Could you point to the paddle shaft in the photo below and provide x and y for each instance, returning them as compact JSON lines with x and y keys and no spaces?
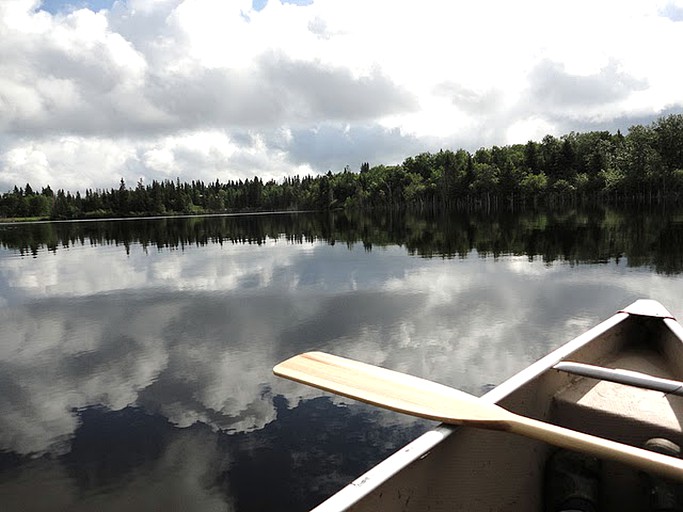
{"x":645,"y":460}
{"x":426,"y":399}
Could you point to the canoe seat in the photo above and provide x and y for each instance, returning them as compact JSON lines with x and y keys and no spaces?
{"x":621,"y":412}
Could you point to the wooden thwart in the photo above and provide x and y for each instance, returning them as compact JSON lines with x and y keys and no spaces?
{"x":426,"y":399}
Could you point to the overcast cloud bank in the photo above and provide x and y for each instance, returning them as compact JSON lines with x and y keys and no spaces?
{"x":202,"y":89}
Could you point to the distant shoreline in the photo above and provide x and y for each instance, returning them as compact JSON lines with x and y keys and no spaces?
{"x":46,"y":220}
{"x":643,"y":167}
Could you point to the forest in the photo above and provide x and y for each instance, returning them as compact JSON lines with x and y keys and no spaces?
{"x":645,"y":166}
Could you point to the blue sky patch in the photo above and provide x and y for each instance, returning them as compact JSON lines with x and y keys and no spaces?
{"x":257,"y":5}
{"x":297,"y":2}
{"x":61,"y":6}
{"x":673,"y":12}
{"x":57,"y":6}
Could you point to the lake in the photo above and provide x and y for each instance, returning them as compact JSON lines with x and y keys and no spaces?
{"x":136,"y":355}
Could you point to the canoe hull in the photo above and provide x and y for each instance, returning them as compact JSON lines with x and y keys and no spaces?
{"x":476,"y":470}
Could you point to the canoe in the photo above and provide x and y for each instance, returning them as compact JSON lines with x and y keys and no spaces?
{"x":618,"y":381}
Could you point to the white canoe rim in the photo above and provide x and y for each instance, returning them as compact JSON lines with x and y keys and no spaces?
{"x":458,"y":468}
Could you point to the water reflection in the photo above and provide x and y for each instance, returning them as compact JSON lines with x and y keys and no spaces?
{"x":646,"y":238}
{"x":141,"y":379}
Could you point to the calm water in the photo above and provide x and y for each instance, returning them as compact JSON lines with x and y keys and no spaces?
{"x":136,"y":356}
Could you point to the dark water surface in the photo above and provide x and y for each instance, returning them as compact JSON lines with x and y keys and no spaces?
{"x":136,"y":356}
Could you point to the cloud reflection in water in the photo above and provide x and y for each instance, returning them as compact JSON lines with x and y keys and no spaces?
{"x":184,"y":341}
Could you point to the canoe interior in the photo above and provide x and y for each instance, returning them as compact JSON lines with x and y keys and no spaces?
{"x":477,"y":470}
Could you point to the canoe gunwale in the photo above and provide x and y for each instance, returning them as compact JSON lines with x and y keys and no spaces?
{"x":421,"y":446}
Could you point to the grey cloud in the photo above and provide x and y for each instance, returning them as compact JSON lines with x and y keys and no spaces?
{"x":147,"y":28}
{"x":318,"y":26}
{"x":56,"y":85}
{"x":215,"y":97}
{"x":281,"y":91}
{"x":553,"y":87}
{"x":470,"y":101}
{"x":565,"y":101}
{"x":320,"y":92}
{"x":328,"y":146}
{"x":129,"y":82}
{"x":565,"y":124}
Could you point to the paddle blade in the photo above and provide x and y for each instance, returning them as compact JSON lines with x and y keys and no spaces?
{"x":392,"y":390}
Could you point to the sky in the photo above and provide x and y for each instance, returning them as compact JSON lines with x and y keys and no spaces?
{"x":95,"y":91}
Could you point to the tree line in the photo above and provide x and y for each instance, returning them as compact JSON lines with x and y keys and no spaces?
{"x":645,"y":166}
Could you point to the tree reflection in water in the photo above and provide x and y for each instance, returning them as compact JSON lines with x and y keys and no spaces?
{"x":136,"y":356}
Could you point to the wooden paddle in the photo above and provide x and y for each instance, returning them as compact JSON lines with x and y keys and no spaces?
{"x":423,"y":398}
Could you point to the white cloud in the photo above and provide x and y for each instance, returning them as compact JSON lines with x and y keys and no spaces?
{"x":218,"y":81}
{"x":531,"y":128}
{"x":185,"y":334}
